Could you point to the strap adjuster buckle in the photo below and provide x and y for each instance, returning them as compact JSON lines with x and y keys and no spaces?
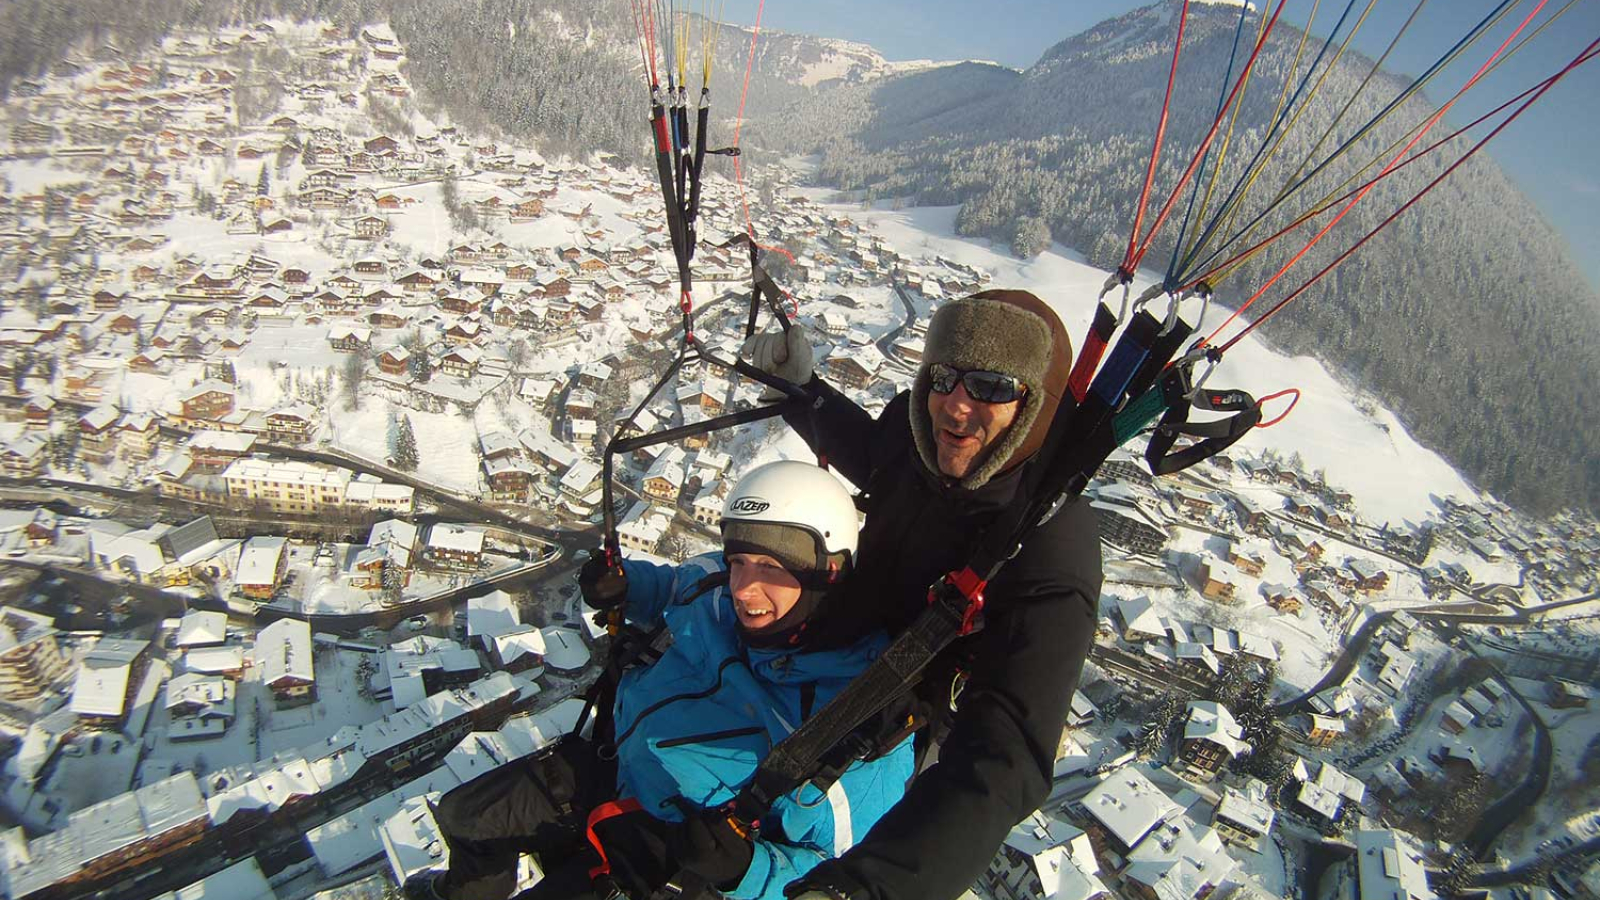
{"x":967,"y":583}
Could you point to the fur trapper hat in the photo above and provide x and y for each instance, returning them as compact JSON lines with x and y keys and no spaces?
{"x":1012,"y":332}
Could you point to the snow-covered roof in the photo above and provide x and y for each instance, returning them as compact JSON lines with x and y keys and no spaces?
{"x":100,"y":418}
{"x":1140,"y":616}
{"x":291,"y":472}
{"x":460,"y":538}
{"x":411,"y":838}
{"x":283,"y":652}
{"x":103,"y":829}
{"x":1211,"y":721}
{"x":518,"y":642}
{"x":135,"y":547}
{"x":222,"y":441}
{"x":213,"y":694}
{"x":395,"y":538}
{"x":379,"y":493}
{"x":580,"y":476}
{"x":214,"y":659}
{"x":645,"y":522}
{"x":258,"y":561}
{"x":1329,"y":790}
{"x":1253,"y":812}
{"x":199,"y":627}
{"x":564,"y":649}
{"x":101,"y":688}
{"x":1128,"y":804}
{"x":1180,"y":862}
{"x":492,"y":614}
{"x":493,"y":442}
{"x":1389,"y":864}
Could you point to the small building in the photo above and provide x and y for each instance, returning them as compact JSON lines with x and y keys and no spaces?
{"x":202,"y":629}
{"x":31,"y":661}
{"x":461,"y":362}
{"x":1326,"y":795}
{"x":1324,"y":730}
{"x":1211,"y":738}
{"x":207,"y":401}
{"x":395,"y":361}
{"x":107,"y":678}
{"x":455,"y":546}
{"x":283,"y":654}
{"x":350,"y":338}
{"x":1219,"y":580}
{"x":664,"y":479}
{"x":263,"y":561}
{"x":1244,"y":818}
{"x":371,"y":227}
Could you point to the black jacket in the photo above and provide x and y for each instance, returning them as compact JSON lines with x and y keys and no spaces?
{"x":995,"y":764}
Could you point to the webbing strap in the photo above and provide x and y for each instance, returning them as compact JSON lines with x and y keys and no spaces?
{"x":1094,"y":347}
{"x":600,"y":814}
{"x":793,"y":761}
{"x":1136,"y":415}
{"x":1213,"y":436}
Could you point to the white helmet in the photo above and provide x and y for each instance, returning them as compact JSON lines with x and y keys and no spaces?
{"x":795,"y":512}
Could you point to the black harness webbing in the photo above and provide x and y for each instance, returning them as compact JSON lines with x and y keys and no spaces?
{"x":1213,"y":437}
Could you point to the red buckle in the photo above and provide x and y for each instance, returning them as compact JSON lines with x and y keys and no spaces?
{"x":971,"y":587}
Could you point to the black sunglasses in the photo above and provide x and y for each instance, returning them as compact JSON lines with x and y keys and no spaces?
{"x":988,"y":387}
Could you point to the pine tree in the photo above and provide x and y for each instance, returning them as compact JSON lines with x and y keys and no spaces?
{"x":405,"y":447}
{"x":263,"y":182}
{"x":394,"y":580}
{"x":354,"y":369}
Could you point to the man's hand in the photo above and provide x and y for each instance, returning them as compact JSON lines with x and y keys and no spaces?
{"x":604,"y":587}
{"x":786,"y":354}
{"x":708,"y":845}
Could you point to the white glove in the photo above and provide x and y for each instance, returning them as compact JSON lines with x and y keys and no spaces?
{"x":786,"y":354}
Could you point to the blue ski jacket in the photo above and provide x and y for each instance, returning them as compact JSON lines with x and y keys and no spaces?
{"x":696,"y":723}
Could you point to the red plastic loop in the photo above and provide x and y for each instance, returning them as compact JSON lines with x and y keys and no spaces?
{"x":1283,"y":415}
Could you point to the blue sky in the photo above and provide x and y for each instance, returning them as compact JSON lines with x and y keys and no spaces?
{"x":1551,"y":150}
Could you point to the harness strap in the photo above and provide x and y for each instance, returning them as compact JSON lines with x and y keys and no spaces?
{"x":1213,"y":436}
{"x":1094,"y":346}
{"x":601,"y":813}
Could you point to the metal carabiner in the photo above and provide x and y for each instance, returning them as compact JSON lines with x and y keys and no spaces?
{"x":1150,"y":293}
{"x":1185,"y":366}
{"x":1123,"y":277}
{"x":1174,"y":303}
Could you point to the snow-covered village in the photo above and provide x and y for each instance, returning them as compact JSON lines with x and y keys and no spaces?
{"x":306,"y":395}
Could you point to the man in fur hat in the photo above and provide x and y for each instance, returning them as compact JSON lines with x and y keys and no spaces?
{"x":937,"y":466}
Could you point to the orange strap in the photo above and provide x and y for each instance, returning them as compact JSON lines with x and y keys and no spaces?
{"x":599,"y":814}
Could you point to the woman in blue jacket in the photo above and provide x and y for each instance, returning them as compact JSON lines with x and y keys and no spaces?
{"x":691,"y":727}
